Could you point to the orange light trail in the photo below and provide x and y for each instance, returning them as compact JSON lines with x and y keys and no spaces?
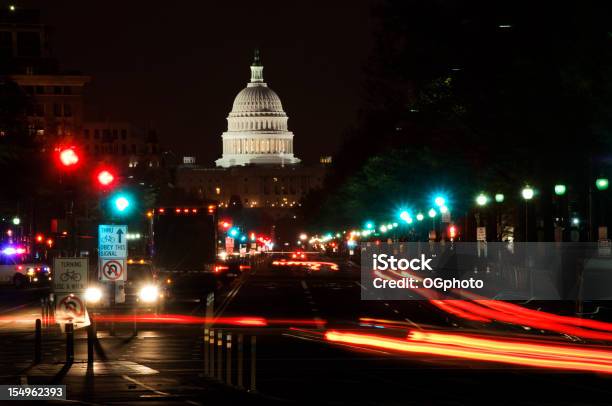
{"x":313,"y":265}
{"x":511,"y":346}
{"x":478,"y":354}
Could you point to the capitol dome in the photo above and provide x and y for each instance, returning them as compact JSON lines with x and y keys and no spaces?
{"x":257,"y":131}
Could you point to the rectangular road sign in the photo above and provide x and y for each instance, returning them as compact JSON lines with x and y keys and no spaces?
{"x":112,"y":270}
{"x":70,"y":275}
{"x":112,"y":241}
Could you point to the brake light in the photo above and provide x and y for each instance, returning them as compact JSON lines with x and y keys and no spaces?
{"x":245,"y":267}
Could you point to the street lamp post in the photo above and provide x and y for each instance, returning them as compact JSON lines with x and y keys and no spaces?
{"x":527,"y":194}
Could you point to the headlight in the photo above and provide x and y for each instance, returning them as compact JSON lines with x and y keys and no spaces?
{"x":149,"y":294}
{"x":93,"y":295}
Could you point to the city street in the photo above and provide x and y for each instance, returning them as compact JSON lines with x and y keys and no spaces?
{"x":164,"y":363}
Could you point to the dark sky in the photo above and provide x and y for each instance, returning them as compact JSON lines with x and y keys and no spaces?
{"x":177,"y":65}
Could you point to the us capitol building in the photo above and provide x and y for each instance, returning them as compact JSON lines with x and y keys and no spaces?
{"x":258,"y":165}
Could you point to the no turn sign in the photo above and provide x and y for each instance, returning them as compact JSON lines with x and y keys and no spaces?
{"x":112,"y":270}
{"x":70,"y":308}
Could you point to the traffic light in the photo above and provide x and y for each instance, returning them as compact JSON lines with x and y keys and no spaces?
{"x":452,"y":231}
{"x":105,"y":178}
{"x":121,"y":203}
{"x":68,"y":157}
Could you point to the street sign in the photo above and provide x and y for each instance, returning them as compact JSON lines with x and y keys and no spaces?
{"x":70,"y":308}
{"x":112,"y":270}
{"x":481,"y":234}
{"x":70,"y":275}
{"x":112,"y":241}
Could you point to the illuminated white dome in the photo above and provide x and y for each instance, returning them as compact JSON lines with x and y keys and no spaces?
{"x":257,"y":130}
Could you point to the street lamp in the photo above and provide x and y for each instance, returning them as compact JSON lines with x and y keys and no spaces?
{"x":443,"y":209}
{"x":602,"y":183}
{"x":432,"y":213}
{"x":420,"y":216}
{"x":482,"y":199}
{"x":560,"y":189}
{"x":439,"y":201}
{"x":16,"y":221}
{"x":499,"y":197}
{"x":527,"y":193}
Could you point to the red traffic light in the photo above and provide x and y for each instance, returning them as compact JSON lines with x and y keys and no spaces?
{"x":40,"y":238}
{"x":68,"y":157}
{"x":105,"y":177}
{"x":452,"y":231}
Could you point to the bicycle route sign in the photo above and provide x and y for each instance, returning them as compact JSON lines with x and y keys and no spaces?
{"x":112,"y":269}
{"x":70,"y":275}
{"x":112,"y":241}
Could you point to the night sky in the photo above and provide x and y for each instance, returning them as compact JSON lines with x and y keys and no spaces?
{"x":176,"y":66}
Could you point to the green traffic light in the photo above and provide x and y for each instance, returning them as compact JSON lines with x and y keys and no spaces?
{"x":121,"y":203}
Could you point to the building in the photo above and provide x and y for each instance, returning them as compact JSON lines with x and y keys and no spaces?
{"x":257,"y":130}
{"x":256,"y":186}
{"x":121,"y":143}
{"x":258,"y":167}
{"x":56,"y":108}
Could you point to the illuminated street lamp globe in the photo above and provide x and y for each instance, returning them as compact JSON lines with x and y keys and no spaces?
{"x":439,"y":201}
{"x":560,"y":189}
{"x":482,"y":199}
{"x":432,"y":213}
{"x":420,"y":216}
{"x":16,"y":221}
{"x":443,"y":209}
{"x":602,"y":183}
{"x":527,"y":193}
{"x":499,"y":197}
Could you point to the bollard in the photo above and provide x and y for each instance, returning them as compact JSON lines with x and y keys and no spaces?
{"x":38,"y":342}
{"x":228,"y":359}
{"x":211,"y":345}
{"x":205,"y":349}
{"x":69,"y":343}
{"x":220,"y":355}
{"x":240,"y":360}
{"x":91,"y":338}
{"x":253,"y":362}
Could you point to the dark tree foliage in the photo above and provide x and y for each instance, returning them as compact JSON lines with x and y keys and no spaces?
{"x":471,"y":95}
